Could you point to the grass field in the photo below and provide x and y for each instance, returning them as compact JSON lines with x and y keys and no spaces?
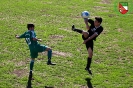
{"x":112,"y":63}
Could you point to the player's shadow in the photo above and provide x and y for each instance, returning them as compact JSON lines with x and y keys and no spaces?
{"x":29,"y":81}
{"x":89,"y":84}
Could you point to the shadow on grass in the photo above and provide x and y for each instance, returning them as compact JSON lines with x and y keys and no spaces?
{"x":89,"y":84}
{"x":29,"y":81}
{"x":48,"y":87}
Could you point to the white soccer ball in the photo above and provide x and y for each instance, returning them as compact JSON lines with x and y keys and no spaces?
{"x":85,"y":14}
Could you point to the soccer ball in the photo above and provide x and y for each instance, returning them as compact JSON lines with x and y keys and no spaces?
{"x":85,"y":14}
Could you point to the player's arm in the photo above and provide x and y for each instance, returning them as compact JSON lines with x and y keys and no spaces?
{"x":93,"y":36}
{"x":21,"y":36}
{"x":90,"y":38}
{"x":97,"y":32}
{"x":86,"y":20}
{"x":86,"y":23}
{"x":17,"y":36}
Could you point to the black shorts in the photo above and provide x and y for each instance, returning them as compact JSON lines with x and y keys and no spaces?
{"x":89,"y":44}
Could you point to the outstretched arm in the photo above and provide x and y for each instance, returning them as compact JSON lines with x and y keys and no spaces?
{"x":21,"y":36}
{"x":88,"y":20}
{"x":86,"y":23}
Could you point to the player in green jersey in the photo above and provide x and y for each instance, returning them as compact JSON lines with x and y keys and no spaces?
{"x":34,"y":46}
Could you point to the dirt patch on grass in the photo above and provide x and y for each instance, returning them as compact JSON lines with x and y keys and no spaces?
{"x":101,"y":8}
{"x":20,"y":72}
{"x":56,"y":37}
{"x":79,"y":49}
{"x":119,"y":30}
{"x":111,"y":15}
{"x":105,"y":1}
{"x":81,"y":86}
{"x":66,"y":29}
{"x":64,"y":54}
{"x":98,"y":7}
{"x":84,"y":87}
{"x":59,"y":53}
{"x":53,"y":39}
{"x":20,"y":63}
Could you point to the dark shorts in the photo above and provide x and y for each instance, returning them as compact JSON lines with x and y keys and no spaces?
{"x":35,"y":50}
{"x":89,"y":44}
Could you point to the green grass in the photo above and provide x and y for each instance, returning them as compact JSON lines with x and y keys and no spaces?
{"x":113,"y":51}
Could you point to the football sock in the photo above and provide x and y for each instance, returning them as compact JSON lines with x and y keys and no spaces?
{"x":88,"y":62}
{"x":31,"y":65}
{"x":78,"y":30}
{"x":49,"y":55}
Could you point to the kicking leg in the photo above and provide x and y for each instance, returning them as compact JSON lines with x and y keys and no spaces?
{"x":77,"y":30}
{"x":84,"y":33}
{"x":49,"y":56}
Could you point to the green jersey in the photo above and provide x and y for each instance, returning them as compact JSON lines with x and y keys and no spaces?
{"x":34,"y":46}
{"x":29,"y":35}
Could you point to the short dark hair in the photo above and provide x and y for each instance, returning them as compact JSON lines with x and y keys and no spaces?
{"x":99,"y":19}
{"x":30,"y":25}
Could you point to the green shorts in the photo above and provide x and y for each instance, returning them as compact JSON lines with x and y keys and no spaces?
{"x":36,"y":49}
